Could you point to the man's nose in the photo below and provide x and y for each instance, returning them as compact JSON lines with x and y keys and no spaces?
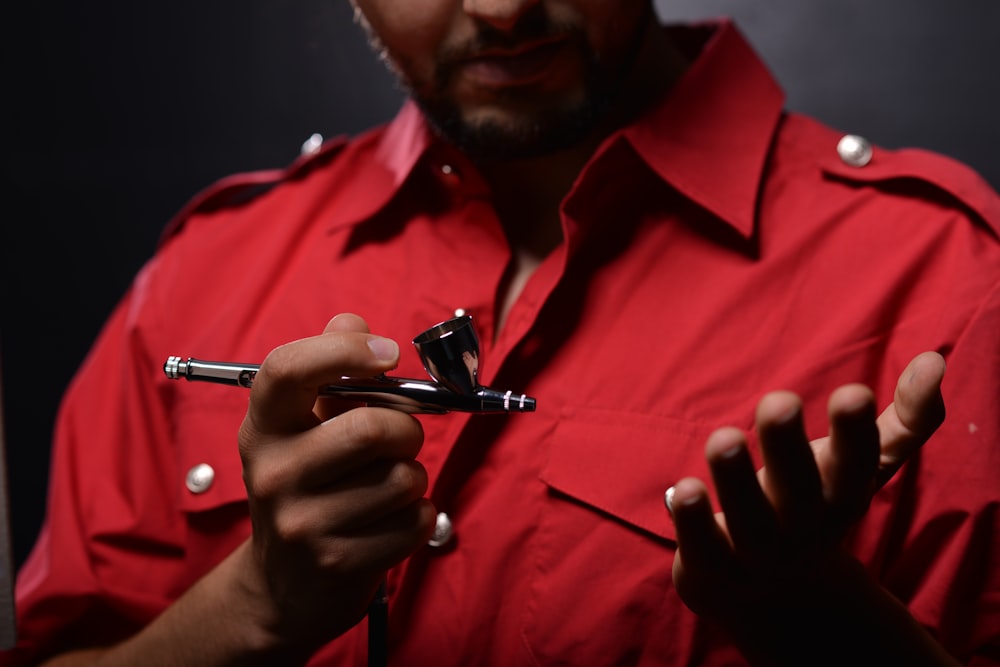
{"x":501,"y":14}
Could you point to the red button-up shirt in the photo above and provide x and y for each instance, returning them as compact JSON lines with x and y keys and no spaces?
{"x":716,"y":249}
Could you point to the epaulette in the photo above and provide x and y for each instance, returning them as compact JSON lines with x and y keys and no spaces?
{"x":856,"y":160}
{"x":238,"y":189}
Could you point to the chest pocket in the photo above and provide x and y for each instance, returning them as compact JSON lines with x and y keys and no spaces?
{"x":604,"y":542}
{"x":208,"y":464}
{"x":208,"y":478}
{"x":622,"y":463}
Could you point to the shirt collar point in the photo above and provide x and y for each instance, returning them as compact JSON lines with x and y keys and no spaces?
{"x":711,"y":149}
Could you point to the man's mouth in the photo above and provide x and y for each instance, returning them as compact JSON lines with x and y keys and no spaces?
{"x":508,"y":67}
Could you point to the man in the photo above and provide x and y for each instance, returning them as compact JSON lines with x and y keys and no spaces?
{"x":648,"y":244}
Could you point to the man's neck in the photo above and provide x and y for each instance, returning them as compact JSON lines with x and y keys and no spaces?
{"x":528,"y":193}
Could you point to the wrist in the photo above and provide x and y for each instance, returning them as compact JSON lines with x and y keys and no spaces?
{"x":256,"y":619}
{"x":843,"y":601}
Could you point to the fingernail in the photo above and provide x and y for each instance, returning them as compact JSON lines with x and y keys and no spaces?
{"x":668,"y":500}
{"x":384,"y":349}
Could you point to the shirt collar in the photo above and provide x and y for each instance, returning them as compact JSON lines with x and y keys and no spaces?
{"x":708,"y":137}
{"x":397,"y":150}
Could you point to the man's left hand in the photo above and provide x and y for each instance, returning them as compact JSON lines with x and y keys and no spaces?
{"x":770,"y":567}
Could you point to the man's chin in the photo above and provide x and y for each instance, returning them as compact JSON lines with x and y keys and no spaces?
{"x":505,"y":138}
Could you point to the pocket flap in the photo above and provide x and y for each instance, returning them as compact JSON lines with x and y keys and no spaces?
{"x":622,"y":463}
{"x":206,"y":435}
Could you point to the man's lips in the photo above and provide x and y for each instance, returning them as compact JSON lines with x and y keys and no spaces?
{"x":500,"y":68}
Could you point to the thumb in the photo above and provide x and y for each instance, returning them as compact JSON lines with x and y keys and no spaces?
{"x":916,"y":412}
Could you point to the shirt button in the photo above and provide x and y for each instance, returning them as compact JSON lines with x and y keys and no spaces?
{"x":312,"y":144}
{"x":451,"y":175}
{"x":855,"y":151}
{"x":199,"y":478}
{"x":443,"y":531}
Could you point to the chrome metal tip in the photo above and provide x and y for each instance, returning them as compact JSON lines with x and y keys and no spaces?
{"x":172,"y":367}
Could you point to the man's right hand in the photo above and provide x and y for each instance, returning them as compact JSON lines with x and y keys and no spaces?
{"x":336,"y":497}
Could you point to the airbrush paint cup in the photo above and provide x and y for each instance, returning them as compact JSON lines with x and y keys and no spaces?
{"x":450,"y":353}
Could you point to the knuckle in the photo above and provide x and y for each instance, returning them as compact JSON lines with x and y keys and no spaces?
{"x":293,"y":528}
{"x":408,"y":478}
{"x":247,"y":438}
{"x":278,"y":364}
{"x":367,"y":427}
{"x":264,"y":483}
{"x":337,"y":558}
{"x":426,"y":519}
{"x":378,"y":428}
{"x":423,"y":520}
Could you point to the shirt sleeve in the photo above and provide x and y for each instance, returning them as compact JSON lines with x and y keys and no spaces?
{"x":109,"y":530}
{"x":933,"y":533}
{"x":962,"y":466}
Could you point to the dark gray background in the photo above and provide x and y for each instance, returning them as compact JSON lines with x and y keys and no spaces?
{"x":117,"y":112}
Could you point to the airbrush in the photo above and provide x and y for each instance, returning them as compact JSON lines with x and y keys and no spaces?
{"x":449,"y":352}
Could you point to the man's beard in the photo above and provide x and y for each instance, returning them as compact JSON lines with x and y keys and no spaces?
{"x":537,"y":131}
{"x":549,"y":127}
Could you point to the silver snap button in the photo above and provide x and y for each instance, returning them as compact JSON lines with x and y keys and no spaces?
{"x":855,"y":151}
{"x":443,"y":531}
{"x":460,"y":312}
{"x":312,"y":144}
{"x":450,"y":175}
{"x":199,"y":478}
{"x":668,"y":499}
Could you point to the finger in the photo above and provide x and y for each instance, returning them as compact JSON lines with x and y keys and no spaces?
{"x":849,"y":461}
{"x":347,"y":322}
{"x":705,"y":547}
{"x":384,"y":543}
{"x":353,"y":503}
{"x":378,"y":491}
{"x":333,"y":450}
{"x":916,"y":412}
{"x":328,"y":407}
{"x":286,"y":386}
{"x":750,"y":519}
{"x":790,"y":478}
{"x":341,"y":446}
